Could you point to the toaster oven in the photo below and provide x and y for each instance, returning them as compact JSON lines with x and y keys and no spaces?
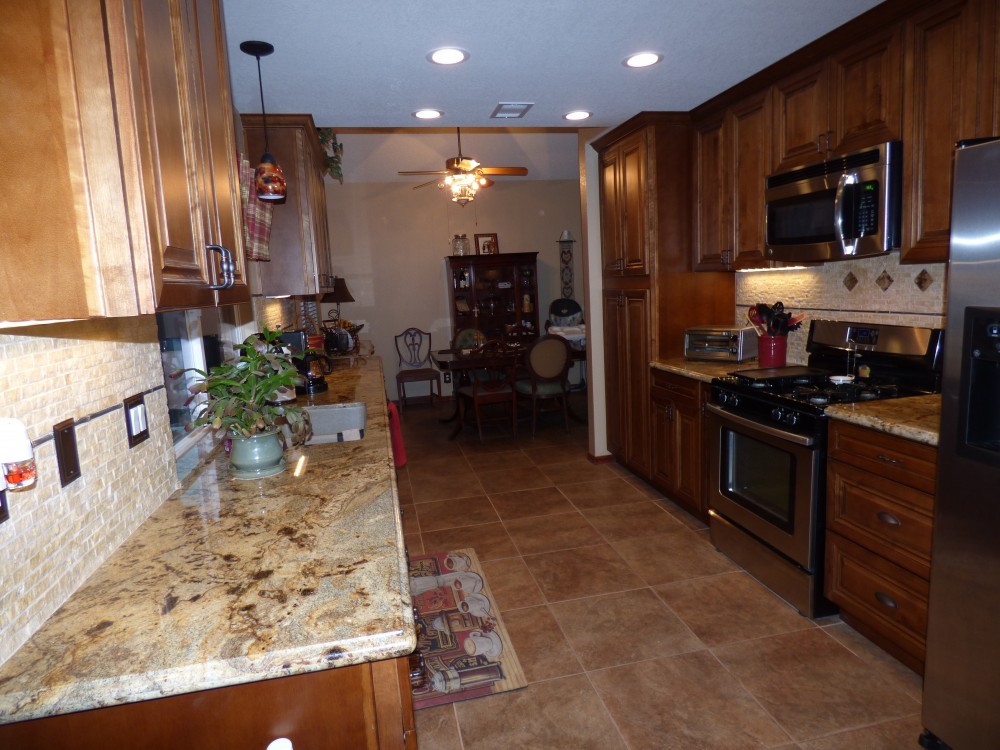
{"x":731,"y":344}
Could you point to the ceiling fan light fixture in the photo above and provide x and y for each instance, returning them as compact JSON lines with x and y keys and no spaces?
{"x":447,"y":56}
{"x":428,"y":114}
{"x":642,"y":59}
{"x":577,"y":114}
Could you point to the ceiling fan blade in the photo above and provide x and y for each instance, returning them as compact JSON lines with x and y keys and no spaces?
{"x":504,"y":170}
{"x":425,"y":184}
{"x":426,"y":171}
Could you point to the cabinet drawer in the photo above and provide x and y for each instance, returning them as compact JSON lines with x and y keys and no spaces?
{"x":891,"y":519}
{"x":891,"y":601}
{"x":901,"y":460}
{"x":669,"y":386}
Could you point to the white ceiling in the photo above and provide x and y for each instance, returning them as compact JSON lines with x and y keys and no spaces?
{"x":362,"y":63}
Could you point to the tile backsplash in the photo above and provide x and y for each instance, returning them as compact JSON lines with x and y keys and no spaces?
{"x":57,"y":536}
{"x":866,"y":290}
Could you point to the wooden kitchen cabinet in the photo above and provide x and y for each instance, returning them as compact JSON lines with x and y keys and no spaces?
{"x":802,"y":116}
{"x":361,"y":707}
{"x":627,"y":316}
{"x":677,"y":449}
{"x":124,"y":142}
{"x":733,"y":156}
{"x":300,"y":241}
{"x":880,"y":514}
{"x":625,"y":237}
{"x":495,"y":294}
{"x":940,"y":108}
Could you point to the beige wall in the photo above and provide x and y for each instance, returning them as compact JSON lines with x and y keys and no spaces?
{"x":849,"y":290}
{"x":389,"y":242}
{"x":56,"y":537}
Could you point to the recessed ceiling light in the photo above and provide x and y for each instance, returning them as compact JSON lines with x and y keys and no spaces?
{"x":642,"y":60}
{"x":577,"y":114}
{"x":448,"y":56}
{"x":428,"y":114}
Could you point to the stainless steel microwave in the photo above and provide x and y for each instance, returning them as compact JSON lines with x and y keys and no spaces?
{"x":841,"y":208}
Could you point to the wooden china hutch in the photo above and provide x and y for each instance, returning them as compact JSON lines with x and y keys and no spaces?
{"x":496,"y":294}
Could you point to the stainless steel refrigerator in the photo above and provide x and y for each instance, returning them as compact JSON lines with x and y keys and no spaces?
{"x":961,"y":705}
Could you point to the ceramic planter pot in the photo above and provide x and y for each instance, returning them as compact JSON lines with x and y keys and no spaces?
{"x":260,"y":455}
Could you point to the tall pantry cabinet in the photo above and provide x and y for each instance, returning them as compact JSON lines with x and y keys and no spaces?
{"x":650,"y":293}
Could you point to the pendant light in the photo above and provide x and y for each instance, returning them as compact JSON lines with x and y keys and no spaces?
{"x":269,"y":180}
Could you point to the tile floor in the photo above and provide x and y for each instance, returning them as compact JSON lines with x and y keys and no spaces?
{"x":633,"y":631}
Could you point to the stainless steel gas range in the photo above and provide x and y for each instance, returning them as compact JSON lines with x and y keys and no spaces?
{"x":768,"y":429}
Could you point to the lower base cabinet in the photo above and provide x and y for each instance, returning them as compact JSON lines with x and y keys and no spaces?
{"x":677,"y":448}
{"x":360,"y":707}
{"x":880,"y":515}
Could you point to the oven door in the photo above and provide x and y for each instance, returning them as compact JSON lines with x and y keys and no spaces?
{"x":766,"y":481}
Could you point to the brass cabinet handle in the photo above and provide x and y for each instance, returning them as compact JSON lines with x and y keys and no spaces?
{"x":888,"y":519}
{"x":886,"y":600}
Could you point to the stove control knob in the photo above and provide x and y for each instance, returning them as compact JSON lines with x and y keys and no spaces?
{"x":777,"y":414}
{"x":791,"y":418}
{"x":734,"y":400}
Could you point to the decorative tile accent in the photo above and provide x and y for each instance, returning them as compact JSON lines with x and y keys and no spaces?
{"x":923,"y":280}
{"x":850,"y":281}
{"x":884,"y":281}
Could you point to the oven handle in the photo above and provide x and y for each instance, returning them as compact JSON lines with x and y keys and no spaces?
{"x":764,"y":428}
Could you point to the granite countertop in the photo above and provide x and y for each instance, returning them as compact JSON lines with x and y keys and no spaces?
{"x":913,"y":417}
{"x":232,"y":581}
{"x":703,"y":371}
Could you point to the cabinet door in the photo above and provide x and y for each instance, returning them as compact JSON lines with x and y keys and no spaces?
{"x":749,"y":132}
{"x":940,"y":104}
{"x":64,"y":227}
{"x":636,"y":314}
{"x":611,"y":214}
{"x":616,"y":399}
{"x":664,"y":456}
{"x":801,"y":117}
{"x":163,"y":45}
{"x":866,"y":92}
{"x":687,"y":431}
{"x":713,"y":224}
{"x":632,"y":202}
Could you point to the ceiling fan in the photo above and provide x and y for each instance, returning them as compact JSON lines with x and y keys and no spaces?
{"x":464,"y":177}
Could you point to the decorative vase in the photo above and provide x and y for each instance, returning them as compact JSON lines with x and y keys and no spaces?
{"x":772,"y":351}
{"x":260,"y":455}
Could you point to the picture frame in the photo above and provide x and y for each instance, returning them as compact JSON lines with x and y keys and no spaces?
{"x":487,"y":244}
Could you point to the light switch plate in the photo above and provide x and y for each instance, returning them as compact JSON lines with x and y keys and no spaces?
{"x":66,"y":452}
{"x":136,"y":420}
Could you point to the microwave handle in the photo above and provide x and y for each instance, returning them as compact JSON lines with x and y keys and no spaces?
{"x":838,"y":212}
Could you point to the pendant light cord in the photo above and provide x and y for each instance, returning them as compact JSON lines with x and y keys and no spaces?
{"x":260,"y":83}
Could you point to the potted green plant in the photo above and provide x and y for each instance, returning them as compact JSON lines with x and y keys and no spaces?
{"x":247,"y":403}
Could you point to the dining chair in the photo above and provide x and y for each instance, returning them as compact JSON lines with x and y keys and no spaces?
{"x":493,"y":384}
{"x":414,"y":349}
{"x":547,"y":362}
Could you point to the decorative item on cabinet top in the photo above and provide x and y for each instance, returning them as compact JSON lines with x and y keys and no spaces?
{"x":334,"y":153}
{"x":487,"y":244}
{"x":270,"y":179}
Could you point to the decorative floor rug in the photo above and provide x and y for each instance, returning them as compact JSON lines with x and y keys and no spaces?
{"x":467,"y":652}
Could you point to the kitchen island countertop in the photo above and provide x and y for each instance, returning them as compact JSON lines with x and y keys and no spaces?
{"x":232,"y":581}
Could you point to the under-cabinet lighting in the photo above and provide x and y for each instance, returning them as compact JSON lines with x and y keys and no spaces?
{"x":771,"y":270}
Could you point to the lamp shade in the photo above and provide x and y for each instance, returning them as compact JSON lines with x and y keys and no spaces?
{"x":339,"y":294}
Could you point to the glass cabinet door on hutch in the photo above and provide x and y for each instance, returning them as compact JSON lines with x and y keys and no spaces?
{"x":496,"y":294}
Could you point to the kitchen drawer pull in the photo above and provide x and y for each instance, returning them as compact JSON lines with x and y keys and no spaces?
{"x":885,"y":600}
{"x":888,"y":519}
{"x":887,"y":459}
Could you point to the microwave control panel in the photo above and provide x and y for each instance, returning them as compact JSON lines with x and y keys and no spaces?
{"x":866,"y":213}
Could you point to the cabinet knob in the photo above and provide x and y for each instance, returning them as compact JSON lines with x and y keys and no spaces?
{"x":885,"y":600}
{"x":888,"y":518}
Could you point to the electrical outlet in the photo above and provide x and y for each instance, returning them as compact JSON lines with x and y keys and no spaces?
{"x":66,"y":452}
{"x":447,"y":377}
{"x":4,"y":515}
{"x":136,"y":420}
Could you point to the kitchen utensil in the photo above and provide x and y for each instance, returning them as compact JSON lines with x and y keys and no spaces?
{"x":754,"y":319}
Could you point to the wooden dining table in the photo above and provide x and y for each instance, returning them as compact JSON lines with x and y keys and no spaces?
{"x":462,"y":362}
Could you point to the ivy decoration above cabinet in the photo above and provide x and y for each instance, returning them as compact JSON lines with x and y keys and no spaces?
{"x":334,"y":153}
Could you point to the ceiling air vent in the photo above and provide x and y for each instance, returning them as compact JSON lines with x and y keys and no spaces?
{"x":511,"y":110}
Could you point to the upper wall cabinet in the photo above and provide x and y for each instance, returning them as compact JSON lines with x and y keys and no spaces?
{"x":625,"y":232}
{"x":300,"y":241}
{"x":732,"y":158}
{"x":844,"y":103}
{"x":124,"y":143}
{"x":942,"y":55}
